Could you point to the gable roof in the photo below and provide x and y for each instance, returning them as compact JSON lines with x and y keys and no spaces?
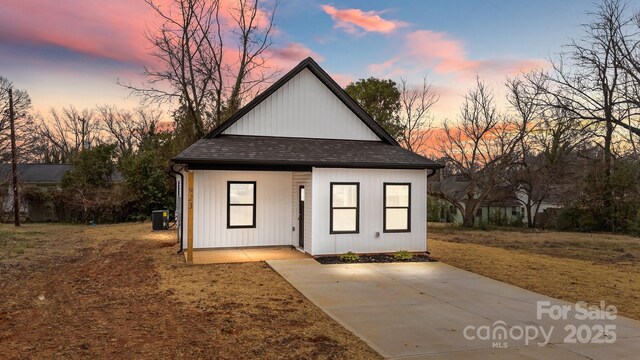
{"x":36,"y":173}
{"x":43,"y":174}
{"x":316,"y":70}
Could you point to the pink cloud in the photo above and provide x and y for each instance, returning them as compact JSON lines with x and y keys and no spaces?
{"x":445,"y":54}
{"x":113,"y":30}
{"x":342,"y":79}
{"x":291,"y":54}
{"x":351,"y":20}
{"x":389,"y":68}
{"x":445,"y":60}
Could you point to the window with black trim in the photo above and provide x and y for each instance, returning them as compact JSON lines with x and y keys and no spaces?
{"x":345,"y":208}
{"x":241,"y":204}
{"x":397,"y":207}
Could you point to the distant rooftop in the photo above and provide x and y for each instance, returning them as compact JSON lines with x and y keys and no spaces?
{"x":42,"y":174}
{"x":36,"y":173}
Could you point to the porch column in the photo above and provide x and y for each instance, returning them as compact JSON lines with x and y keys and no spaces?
{"x":190,"y":216}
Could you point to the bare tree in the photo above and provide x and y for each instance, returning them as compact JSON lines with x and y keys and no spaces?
{"x":194,"y":66}
{"x":415,"y":114}
{"x":482,"y":147}
{"x":127,"y":129}
{"x":524,"y":97}
{"x":628,"y":61}
{"x":588,"y":86}
{"x":120,"y":127}
{"x":23,"y":121}
{"x":68,"y":132}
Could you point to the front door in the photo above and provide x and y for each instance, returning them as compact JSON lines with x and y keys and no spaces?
{"x":301,"y":216}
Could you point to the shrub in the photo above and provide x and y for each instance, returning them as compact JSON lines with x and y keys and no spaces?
{"x":518,"y":222}
{"x":146,"y":183}
{"x":497,"y":218}
{"x":568,"y":219}
{"x":402,"y":255}
{"x":485,"y":226}
{"x":349,"y":257}
{"x":35,"y":194}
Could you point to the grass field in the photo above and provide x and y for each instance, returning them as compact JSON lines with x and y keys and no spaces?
{"x":569,"y":266}
{"x":120,"y":291}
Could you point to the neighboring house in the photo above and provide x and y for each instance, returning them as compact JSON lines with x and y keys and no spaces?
{"x":35,"y":181}
{"x":503,"y":208}
{"x":35,"y":178}
{"x":551,"y":201}
{"x":303,"y":165}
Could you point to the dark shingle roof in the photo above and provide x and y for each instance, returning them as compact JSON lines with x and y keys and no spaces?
{"x":44,"y":174}
{"x":36,"y":173}
{"x":234,"y":151}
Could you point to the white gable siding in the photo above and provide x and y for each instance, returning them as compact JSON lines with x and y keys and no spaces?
{"x":371,"y":212}
{"x":303,"y":107}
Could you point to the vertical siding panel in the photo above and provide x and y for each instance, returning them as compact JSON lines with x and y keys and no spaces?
{"x":371,"y":212}
{"x":273,"y":209}
{"x":308,"y":224}
{"x":298,"y":101}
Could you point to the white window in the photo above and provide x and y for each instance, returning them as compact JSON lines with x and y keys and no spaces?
{"x":345,"y":211}
{"x":397,"y":207}
{"x":241,"y":204}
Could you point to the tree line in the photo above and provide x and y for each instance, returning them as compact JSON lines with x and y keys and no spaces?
{"x":208,"y":58}
{"x":569,"y":132}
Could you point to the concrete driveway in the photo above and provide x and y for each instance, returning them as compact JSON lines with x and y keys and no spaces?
{"x":437,"y":311}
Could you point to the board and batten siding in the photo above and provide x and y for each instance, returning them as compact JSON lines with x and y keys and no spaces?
{"x":273,"y":209}
{"x":304,"y":179}
{"x":371,"y":212}
{"x":303,"y":107}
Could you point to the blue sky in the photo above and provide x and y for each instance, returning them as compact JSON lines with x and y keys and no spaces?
{"x":489,"y":28}
{"x":67,"y":52}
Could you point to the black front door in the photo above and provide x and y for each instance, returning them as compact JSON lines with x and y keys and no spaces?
{"x":301,"y":217}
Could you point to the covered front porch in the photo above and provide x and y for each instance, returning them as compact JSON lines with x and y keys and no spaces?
{"x":249,"y":254}
{"x":245,"y":211}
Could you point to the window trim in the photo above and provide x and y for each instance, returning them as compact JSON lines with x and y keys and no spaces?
{"x":385,"y":207}
{"x":331,"y":208}
{"x":229,"y":205}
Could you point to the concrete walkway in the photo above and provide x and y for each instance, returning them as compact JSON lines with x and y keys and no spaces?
{"x":421,"y":310}
{"x":223,"y":256}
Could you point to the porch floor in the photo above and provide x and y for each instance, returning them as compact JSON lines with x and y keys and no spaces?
{"x":221,"y":256}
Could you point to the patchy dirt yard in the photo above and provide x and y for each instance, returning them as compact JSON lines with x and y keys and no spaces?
{"x":569,"y":266}
{"x":119,"y":291}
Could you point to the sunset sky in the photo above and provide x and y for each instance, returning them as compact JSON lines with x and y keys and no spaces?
{"x":73,"y":51}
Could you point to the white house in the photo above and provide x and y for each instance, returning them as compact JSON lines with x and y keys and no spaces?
{"x":302,"y":165}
